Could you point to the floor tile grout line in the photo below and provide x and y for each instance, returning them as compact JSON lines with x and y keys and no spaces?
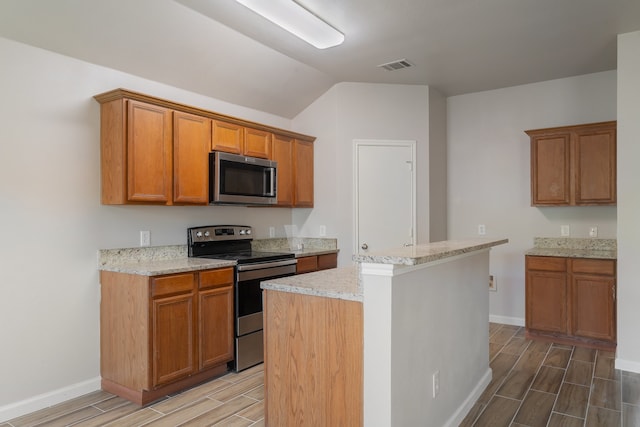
{"x":562,"y":382}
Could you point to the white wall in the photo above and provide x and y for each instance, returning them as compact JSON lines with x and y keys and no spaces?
{"x":437,"y":166}
{"x":351,"y":111}
{"x":628,"y":355}
{"x":52,"y":223}
{"x":489,"y":172}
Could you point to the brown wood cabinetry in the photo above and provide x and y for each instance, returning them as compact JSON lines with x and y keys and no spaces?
{"x":312,"y":263}
{"x":303,"y":174}
{"x":282,"y":153}
{"x":574,"y":165}
{"x":155,"y":151}
{"x":323,"y":384}
{"x":295,"y":171}
{"x":161,"y":334}
{"x":571,"y":300}
{"x":191,"y":141}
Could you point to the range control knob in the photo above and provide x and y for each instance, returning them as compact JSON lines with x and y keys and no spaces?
{"x":198,"y":233}
{"x":242,"y":232}
{"x":207,"y":234}
{"x":249,"y":231}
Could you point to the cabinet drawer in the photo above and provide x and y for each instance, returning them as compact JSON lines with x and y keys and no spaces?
{"x":594,"y":266}
{"x":307,"y":264}
{"x":212,"y":278}
{"x":545,"y":263}
{"x":327,"y":261}
{"x":174,"y":284}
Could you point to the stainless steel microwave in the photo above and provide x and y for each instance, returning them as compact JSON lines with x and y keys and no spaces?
{"x":241,"y":180}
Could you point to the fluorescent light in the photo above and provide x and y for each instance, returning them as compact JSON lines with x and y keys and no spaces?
{"x":297,"y":20}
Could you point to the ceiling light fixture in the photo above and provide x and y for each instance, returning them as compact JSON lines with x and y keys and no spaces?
{"x":297,"y":20}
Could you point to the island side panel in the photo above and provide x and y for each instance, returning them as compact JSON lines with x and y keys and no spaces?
{"x":313,"y":360}
{"x":420,"y":320}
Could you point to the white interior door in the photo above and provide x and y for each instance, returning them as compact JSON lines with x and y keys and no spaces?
{"x":384,"y":194}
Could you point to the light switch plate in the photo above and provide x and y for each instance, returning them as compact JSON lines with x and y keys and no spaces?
{"x":565,"y":231}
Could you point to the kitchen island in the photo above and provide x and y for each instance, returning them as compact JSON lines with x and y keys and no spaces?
{"x":400,"y":339}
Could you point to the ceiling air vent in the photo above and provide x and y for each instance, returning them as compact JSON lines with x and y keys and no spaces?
{"x":396,"y":65}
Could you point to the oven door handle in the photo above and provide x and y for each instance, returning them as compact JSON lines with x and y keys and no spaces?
{"x":263,"y":265}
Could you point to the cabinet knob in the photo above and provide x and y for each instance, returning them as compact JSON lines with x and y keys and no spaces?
{"x":365,"y":246}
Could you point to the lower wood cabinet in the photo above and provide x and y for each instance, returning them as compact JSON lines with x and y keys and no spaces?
{"x":572,"y":300}
{"x":309,"y":264}
{"x":164,"y":333}
{"x":322,"y":384}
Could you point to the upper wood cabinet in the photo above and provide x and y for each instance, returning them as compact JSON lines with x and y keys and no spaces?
{"x":295,"y":171}
{"x":236,"y":139}
{"x":143,"y":138}
{"x":191,"y":141}
{"x":303,"y":173}
{"x":574,"y":165}
{"x":227,"y":137}
{"x":155,"y":151}
{"x":282,"y":153}
{"x":257,"y":143}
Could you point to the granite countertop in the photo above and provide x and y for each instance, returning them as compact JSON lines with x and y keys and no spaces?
{"x":169,"y":266}
{"x":420,"y":254}
{"x":157,"y":260}
{"x":338,"y":283}
{"x":568,"y":247}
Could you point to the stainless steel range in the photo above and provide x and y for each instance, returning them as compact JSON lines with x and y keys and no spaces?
{"x":233,"y":242}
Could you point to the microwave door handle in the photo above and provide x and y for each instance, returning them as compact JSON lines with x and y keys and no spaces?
{"x":272,"y":182}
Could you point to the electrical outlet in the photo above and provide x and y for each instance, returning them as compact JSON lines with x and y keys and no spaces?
{"x":272,"y":232}
{"x":593,"y":232}
{"x":493,"y":283}
{"x":565,"y":231}
{"x":145,"y":238}
{"x":323,"y":230}
{"x":482,"y":230}
{"x":436,"y":383}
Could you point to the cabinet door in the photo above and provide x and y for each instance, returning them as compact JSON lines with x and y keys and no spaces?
{"x":550,"y":170}
{"x":227,"y":137}
{"x":257,"y":143}
{"x":216,"y":326}
{"x":191,"y":143}
{"x":327,"y":261}
{"x":303,"y":173}
{"x":148,"y":153}
{"x":307,"y":264}
{"x":546,"y":301}
{"x":595,"y":166}
{"x":173,"y":338}
{"x":593,"y":307}
{"x":282,"y":152}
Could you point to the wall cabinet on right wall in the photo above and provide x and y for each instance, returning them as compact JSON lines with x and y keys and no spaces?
{"x":574,"y":165}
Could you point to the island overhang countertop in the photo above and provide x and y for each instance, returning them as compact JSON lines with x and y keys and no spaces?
{"x":344,"y":283}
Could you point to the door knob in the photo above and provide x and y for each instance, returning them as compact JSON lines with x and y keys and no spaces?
{"x":365,"y":246}
{"x":407,"y":244}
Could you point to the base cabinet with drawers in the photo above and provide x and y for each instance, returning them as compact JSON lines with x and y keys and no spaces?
{"x":312,"y":263}
{"x":571,"y":300}
{"x":161,"y":334}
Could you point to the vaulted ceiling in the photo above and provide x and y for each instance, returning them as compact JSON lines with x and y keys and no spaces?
{"x":221,"y":49}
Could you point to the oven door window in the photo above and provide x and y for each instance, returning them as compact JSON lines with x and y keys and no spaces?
{"x":249,"y":297}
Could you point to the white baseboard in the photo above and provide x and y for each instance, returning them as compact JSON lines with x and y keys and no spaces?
{"x":515,"y":321}
{"x":628,"y":365}
{"x":468,"y":403}
{"x":45,"y":400}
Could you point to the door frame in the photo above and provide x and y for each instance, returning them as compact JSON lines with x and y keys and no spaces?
{"x":357,"y":143}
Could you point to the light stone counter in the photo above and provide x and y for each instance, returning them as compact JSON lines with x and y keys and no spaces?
{"x":429,"y":252}
{"x":338,"y":283}
{"x":568,"y":247}
{"x":300,"y":246}
{"x":155,"y":261}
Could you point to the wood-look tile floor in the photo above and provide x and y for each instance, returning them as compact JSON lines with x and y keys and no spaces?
{"x":534,"y":384}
